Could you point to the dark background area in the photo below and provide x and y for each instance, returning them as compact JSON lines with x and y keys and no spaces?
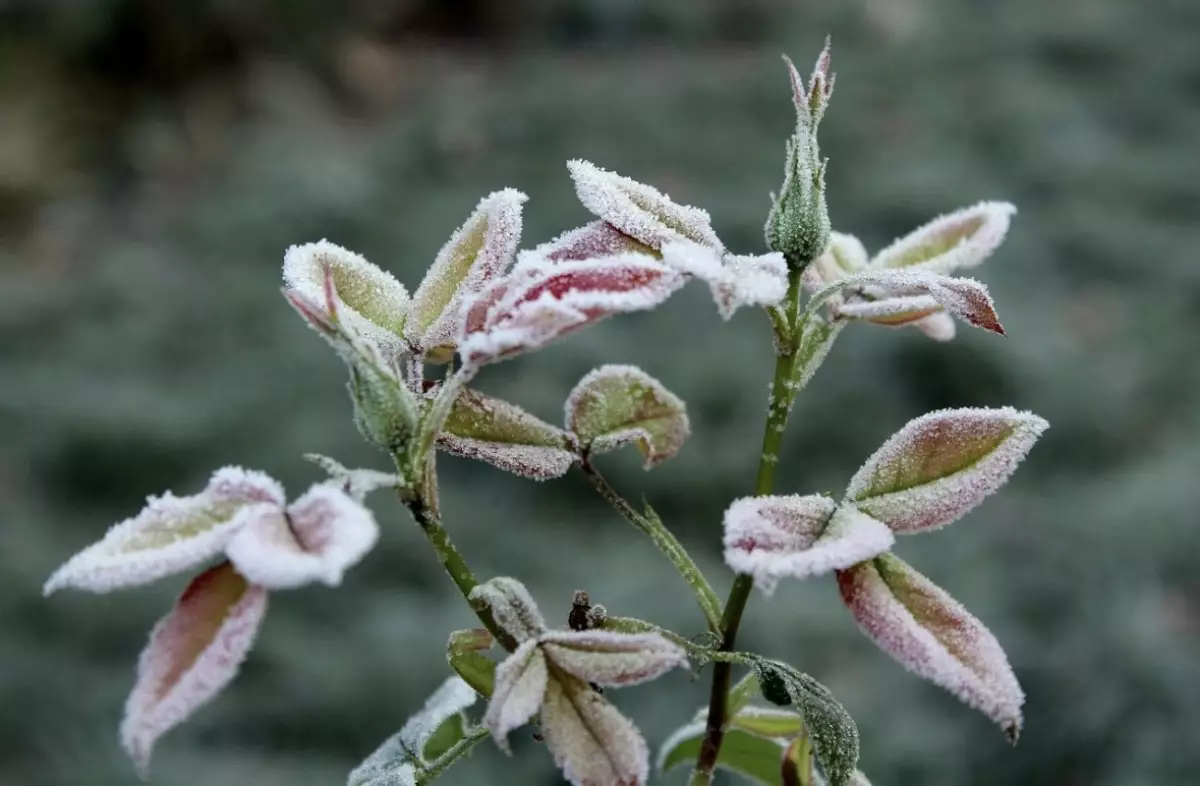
{"x":156,"y":159}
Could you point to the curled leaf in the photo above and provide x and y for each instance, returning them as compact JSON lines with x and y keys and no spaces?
{"x":844,"y":256}
{"x":903,"y":297}
{"x":521,"y":682}
{"x":933,"y":636}
{"x":505,"y":436}
{"x":592,"y":743}
{"x":317,"y":538}
{"x":171,"y":534}
{"x":192,"y":654}
{"x":462,"y":653}
{"x":941,"y":465}
{"x":735,"y":281}
{"x":638,"y":210}
{"x":511,"y":605}
{"x":964,"y":238}
{"x":476,"y":254}
{"x":614,"y":659}
{"x":591,"y":241}
{"x":616,"y":405}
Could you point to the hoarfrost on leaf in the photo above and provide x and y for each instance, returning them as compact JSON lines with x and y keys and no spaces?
{"x":357,"y":483}
{"x":592,"y":743}
{"x":521,"y":682}
{"x":511,"y":605}
{"x":638,"y":210}
{"x":192,"y":654}
{"x":735,"y":281}
{"x":612,"y":659}
{"x":962,"y":239}
{"x":941,"y":465}
{"x":900,"y":297}
{"x":932,"y":635}
{"x":798,"y":536}
{"x":504,"y":435}
{"x":615,"y":405}
{"x":590,"y":241}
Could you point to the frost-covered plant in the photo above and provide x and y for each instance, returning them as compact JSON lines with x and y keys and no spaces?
{"x":483,"y":301}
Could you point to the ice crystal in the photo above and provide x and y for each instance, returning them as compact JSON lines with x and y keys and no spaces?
{"x":735,"y":281}
{"x":962,"y":239}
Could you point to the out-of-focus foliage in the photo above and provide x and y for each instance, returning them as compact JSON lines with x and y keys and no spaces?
{"x":156,"y":159}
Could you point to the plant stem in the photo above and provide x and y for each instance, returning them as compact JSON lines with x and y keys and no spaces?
{"x":782,"y":396}
{"x":666,"y":542}
{"x":697,"y":651}
{"x":456,"y":752}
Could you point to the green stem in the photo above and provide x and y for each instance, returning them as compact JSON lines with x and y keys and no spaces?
{"x":666,"y":542}
{"x":697,"y":651}
{"x":782,"y":396}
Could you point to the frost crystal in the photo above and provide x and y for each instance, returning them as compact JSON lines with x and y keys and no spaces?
{"x":773,"y":537}
{"x":592,"y":743}
{"x":941,"y":465}
{"x":476,"y":254}
{"x":171,"y":534}
{"x":521,"y":682}
{"x":192,"y":654}
{"x":512,"y":605}
{"x":536,"y":306}
{"x":506,"y":436}
{"x":616,"y":405}
{"x":964,"y":238}
{"x":591,"y":241}
{"x":931,"y":635}
{"x":375,"y":304}
{"x":900,"y":297}
{"x":638,"y":210}
{"x":612,"y":659}
{"x":317,"y":538}
{"x":735,"y":281}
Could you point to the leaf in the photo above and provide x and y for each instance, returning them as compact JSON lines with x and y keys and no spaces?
{"x":735,"y":281}
{"x":323,"y":533}
{"x":964,"y":298}
{"x":425,"y":735}
{"x":171,"y":534}
{"x":540,"y":304}
{"x":505,"y":436}
{"x":476,"y":254}
{"x":617,"y":405}
{"x":521,"y":681}
{"x":591,"y":241}
{"x":742,"y":753}
{"x":768,"y":722}
{"x":592,"y":743}
{"x":638,"y":210}
{"x":844,"y":256}
{"x":192,"y":654}
{"x":374,"y":303}
{"x":462,"y":653}
{"x":741,"y":693}
{"x":941,"y":465}
{"x":356,"y":483}
{"x":964,"y":238}
{"x":512,"y":606}
{"x":815,"y":343}
{"x":797,"y":767}
{"x":833,"y":732}
{"x":612,"y":659}
{"x":933,"y":636}
{"x":776,"y":536}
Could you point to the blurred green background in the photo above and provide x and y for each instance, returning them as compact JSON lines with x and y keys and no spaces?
{"x":156,"y":159}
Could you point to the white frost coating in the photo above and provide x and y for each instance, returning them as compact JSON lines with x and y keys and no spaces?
{"x":536,"y":462}
{"x":943,"y":464}
{"x":898,"y":310}
{"x":844,"y":256}
{"x":512,"y":606}
{"x":615,"y":405}
{"x":798,"y":536}
{"x":590,"y":241}
{"x":521,"y":682}
{"x":592,"y":743}
{"x":192,"y":654}
{"x":612,"y":659}
{"x":933,"y":636}
{"x":735,"y":280}
{"x":962,"y":239}
{"x":374,"y":304}
{"x":638,"y":210}
{"x":477,"y":253}
{"x":965,"y":298}
{"x":536,"y":306}
{"x":939,"y":326}
{"x":322,"y":534}
{"x":357,"y":483}
{"x":390,"y":764}
{"x":171,"y":534}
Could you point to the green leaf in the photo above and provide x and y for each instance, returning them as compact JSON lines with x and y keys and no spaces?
{"x":741,"y":694}
{"x":614,"y":406}
{"x":505,"y":436}
{"x":834,"y":734}
{"x":445,"y":737}
{"x":797,"y":768}
{"x":769,"y":722}
{"x":743,"y":753}
{"x":462,"y":652}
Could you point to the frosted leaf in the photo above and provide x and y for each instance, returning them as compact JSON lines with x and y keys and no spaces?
{"x":171,"y":534}
{"x":844,"y":256}
{"x":356,"y":483}
{"x":931,"y":635}
{"x":323,"y":533}
{"x":745,"y":754}
{"x":506,"y":436}
{"x":394,"y":760}
{"x":768,"y":722}
{"x":964,"y":238}
{"x":638,"y":210}
{"x":616,"y":405}
{"x":941,"y":465}
{"x":592,"y":743}
{"x":815,"y":343}
{"x":964,"y":298}
{"x":612,"y":659}
{"x":374,"y":303}
{"x":511,"y":605}
{"x":533,"y":308}
{"x":939,"y":326}
{"x":521,"y":682}
{"x":591,"y":241}
{"x":894,"y":311}
{"x":773,"y":537}
{"x":192,"y":654}
{"x":735,"y":280}
{"x":476,"y":254}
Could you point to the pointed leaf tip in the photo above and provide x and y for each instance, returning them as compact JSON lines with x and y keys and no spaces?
{"x":192,"y":654}
{"x":615,"y":405}
{"x":932,"y":635}
{"x":943,"y":464}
